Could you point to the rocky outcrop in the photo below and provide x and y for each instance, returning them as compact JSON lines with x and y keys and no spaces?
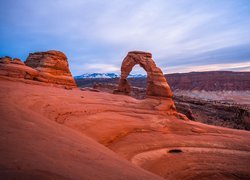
{"x":52,"y":66}
{"x":156,"y":82}
{"x":49,"y":67}
{"x":218,"y":113}
{"x":136,"y":92}
{"x":16,"y":69}
{"x":5,"y":59}
{"x":17,"y":61}
{"x":210,"y":81}
{"x":184,"y":108}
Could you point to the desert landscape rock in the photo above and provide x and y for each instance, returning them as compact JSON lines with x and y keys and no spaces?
{"x":210,"y":81}
{"x":44,"y":130}
{"x":48,"y":67}
{"x":52,"y":66}
{"x":17,"y":61}
{"x":198,"y":81}
{"x":34,"y":147}
{"x":214,"y":112}
{"x":156,"y":82}
{"x":49,"y":132}
{"x":220,"y":98}
{"x":5,"y":59}
{"x":16,"y":69}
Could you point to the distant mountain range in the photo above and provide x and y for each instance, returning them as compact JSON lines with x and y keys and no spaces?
{"x":97,"y":75}
{"x":106,"y":76}
{"x":208,"y":81}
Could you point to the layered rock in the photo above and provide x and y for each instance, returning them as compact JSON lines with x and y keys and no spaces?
{"x":210,"y":81}
{"x":5,"y":59}
{"x":52,"y":66}
{"x":16,"y":69}
{"x":49,"y":67}
{"x":156,"y":82}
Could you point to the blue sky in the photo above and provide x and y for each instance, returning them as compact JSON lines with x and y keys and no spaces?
{"x":183,"y":35}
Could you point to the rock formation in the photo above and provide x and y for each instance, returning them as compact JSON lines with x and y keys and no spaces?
{"x":5,"y":59}
{"x":52,"y":66}
{"x":49,"y":67}
{"x":62,"y":129}
{"x":210,"y":81}
{"x":16,"y":69}
{"x":17,"y":61}
{"x":156,"y":82}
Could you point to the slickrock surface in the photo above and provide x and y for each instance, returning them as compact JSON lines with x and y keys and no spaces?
{"x":43,"y":133}
{"x":33,"y":146}
{"x":227,"y":109}
{"x":156,"y":82}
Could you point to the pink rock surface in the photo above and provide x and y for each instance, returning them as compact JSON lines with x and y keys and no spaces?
{"x":44,"y":130}
{"x":34,"y":147}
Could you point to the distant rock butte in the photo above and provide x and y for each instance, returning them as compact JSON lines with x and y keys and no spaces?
{"x":210,"y":81}
{"x":156,"y":82}
{"x":49,"y":67}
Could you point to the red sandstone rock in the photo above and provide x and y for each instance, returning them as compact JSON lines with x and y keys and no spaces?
{"x":17,"y":61}
{"x":34,"y":147}
{"x":15,"y":70}
{"x":210,"y":81}
{"x":5,"y":59}
{"x":49,"y":67}
{"x":52,"y":66}
{"x":44,"y":130}
{"x":156,"y":82}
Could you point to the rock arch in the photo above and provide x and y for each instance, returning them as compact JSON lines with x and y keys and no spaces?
{"x":156,"y":82}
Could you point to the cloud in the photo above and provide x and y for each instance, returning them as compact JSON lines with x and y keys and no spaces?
{"x":183,"y":32}
{"x":245,"y":66}
{"x":99,"y":68}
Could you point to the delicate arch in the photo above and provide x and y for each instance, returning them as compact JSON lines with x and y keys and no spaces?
{"x":156,"y":82}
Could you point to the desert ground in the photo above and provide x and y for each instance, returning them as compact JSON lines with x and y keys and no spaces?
{"x":51,"y":132}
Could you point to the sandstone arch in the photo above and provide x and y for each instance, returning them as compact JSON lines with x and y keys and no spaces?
{"x":156,"y":82}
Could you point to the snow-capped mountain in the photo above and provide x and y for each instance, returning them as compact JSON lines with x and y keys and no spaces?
{"x":137,"y":75}
{"x":97,"y":75}
{"x":106,"y":75}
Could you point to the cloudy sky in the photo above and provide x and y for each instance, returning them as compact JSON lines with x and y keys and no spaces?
{"x":183,"y":35}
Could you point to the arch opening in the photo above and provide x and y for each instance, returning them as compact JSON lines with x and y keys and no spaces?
{"x":137,"y":79}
